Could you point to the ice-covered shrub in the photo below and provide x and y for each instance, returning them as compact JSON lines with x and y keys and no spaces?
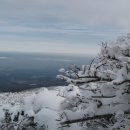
{"x":104,"y":88}
{"x":19,"y":121}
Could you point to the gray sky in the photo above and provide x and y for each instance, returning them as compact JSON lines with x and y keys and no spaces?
{"x":61,"y":26}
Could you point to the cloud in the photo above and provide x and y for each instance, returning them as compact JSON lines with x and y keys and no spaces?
{"x":47,"y":47}
{"x":78,"y":24}
{"x":111,"y":12}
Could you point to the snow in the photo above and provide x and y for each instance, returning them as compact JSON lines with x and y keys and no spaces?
{"x":99,"y":89}
{"x":62,"y":70}
{"x":47,"y":116}
{"x":46,"y":105}
{"x":44,"y":99}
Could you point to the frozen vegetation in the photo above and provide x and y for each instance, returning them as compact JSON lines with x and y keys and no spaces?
{"x":97,"y":96}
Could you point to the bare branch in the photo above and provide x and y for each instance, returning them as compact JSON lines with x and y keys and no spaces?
{"x":107,"y":116}
{"x":91,"y":64}
{"x":104,"y":96}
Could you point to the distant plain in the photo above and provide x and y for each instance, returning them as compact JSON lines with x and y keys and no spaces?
{"x":22,"y":71}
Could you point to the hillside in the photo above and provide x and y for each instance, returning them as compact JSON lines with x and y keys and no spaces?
{"x":97,"y":96}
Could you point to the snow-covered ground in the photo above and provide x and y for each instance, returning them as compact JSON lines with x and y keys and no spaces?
{"x":51,"y":107}
{"x":43,"y":104}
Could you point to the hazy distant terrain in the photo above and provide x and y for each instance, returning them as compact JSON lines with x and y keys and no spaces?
{"x":19,"y":71}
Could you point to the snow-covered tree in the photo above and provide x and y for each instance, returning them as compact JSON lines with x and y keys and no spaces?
{"x":104,"y":89}
{"x":19,"y":121}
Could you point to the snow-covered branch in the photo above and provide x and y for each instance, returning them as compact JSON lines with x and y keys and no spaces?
{"x":104,"y":84}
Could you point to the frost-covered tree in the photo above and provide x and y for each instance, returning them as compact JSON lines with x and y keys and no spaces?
{"x":103,"y":99}
{"x":19,"y":121}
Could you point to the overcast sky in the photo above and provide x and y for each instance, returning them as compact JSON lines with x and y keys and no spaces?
{"x":61,"y":26}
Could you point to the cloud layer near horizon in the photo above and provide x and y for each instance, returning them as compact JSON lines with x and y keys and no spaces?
{"x":67,"y":21}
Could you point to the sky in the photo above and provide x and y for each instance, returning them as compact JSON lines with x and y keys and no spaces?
{"x":61,"y":26}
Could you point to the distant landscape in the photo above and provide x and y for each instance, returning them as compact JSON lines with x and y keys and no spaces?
{"x":22,"y":71}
